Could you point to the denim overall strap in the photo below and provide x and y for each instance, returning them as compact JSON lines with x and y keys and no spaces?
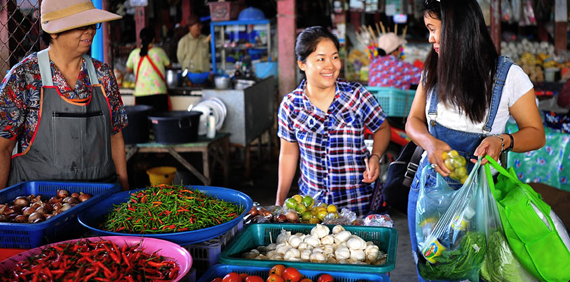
{"x":503,"y":67}
{"x":432,"y":111}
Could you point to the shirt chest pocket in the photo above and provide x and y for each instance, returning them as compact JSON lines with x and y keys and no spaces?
{"x":348,"y":120}
{"x":307,"y":126}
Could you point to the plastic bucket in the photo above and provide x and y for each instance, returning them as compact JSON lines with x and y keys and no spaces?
{"x":175,"y":127}
{"x":138,"y":130}
{"x":265,"y":69}
{"x":161,"y":175}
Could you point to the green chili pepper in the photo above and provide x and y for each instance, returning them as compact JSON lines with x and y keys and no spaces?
{"x":168,"y":209}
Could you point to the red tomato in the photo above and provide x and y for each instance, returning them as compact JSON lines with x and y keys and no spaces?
{"x":291,"y":274}
{"x":275,"y":278}
{"x":325,"y":278}
{"x":217,"y":279}
{"x":254,"y":278}
{"x":306,"y":280}
{"x":277,"y":269}
{"x":243,"y":276}
{"x":232,"y":277}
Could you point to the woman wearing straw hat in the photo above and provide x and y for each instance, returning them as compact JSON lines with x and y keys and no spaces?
{"x":388,"y":69}
{"x":61,"y":111}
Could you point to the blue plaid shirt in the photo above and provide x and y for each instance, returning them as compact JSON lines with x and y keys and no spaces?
{"x":332,"y":144}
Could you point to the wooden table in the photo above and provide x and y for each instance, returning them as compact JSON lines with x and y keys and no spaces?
{"x":214,"y":151}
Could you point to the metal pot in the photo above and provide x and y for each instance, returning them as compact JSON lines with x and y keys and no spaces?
{"x":173,"y":78}
{"x":222,"y":82}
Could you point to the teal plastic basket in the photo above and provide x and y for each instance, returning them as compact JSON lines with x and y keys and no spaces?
{"x":220,"y":270}
{"x":395,"y":102}
{"x":256,"y":235}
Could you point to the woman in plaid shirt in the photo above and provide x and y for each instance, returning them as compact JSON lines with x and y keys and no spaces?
{"x":322,"y":123}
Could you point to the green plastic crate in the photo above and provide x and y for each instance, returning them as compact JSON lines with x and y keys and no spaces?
{"x":395,"y":102}
{"x":256,"y":235}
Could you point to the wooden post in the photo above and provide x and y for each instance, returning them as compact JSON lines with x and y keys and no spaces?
{"x":496,"y":24}
{"x":560,"y":25}
{"x":140,"y":21}
{"x":286,"y":29}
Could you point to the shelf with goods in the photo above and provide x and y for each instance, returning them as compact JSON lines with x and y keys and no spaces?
{"x":234,"y":41}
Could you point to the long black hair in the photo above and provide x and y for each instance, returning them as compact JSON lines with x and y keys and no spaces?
{"x":308,"y":40}
{"x":146,"y":35}
{"x":466,"y":64}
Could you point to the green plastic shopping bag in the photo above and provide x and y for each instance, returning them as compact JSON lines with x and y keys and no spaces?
{"x":529,"y":227}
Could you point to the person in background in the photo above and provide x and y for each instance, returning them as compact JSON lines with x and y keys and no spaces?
{"x":464,"y":113}
{"x":193,"y":51}
{"x":322,"y":123}
{"x":388,"y":69}
{"x":149,"y":64}
{"x":61,"y":112}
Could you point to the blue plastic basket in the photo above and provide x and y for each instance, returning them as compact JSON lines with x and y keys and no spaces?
{"x":220,"y":270}
{"x":58,"y":228}
{"x":94,"y":216}
{"x":395,"y":102}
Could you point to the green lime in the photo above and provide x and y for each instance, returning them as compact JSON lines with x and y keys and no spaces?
{"x":301,"y":209}
{"x":449,"y":164}
{"x":291,"y":203}
{"x":308,"y":201}
{"x":321,"y":215}
{"x":460,"y":172}
{"x":453,"y":154}
{"x":459,"y":161}
{"x":306,"y":216}
{"x":452,"y":175}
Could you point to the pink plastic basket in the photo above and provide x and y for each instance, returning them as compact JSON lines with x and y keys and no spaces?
{"x":164,"y":248}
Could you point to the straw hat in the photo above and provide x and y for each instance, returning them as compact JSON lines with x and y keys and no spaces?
{"x":390,"y":41}
{"x":62,"y":15}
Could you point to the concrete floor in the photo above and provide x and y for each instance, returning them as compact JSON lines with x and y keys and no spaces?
{"x":262,"y":186}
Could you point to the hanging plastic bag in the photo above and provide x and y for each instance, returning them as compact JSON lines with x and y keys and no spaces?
{"x":500,"y":263}
{"x":535,"y":234}
{"x":451,"y":228}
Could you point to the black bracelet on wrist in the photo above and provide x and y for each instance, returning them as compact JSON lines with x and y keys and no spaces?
{"x":379,"y":158}
{"x":510,"y":148}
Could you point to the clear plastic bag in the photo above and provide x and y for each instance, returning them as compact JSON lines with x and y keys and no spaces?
{"x":451,"y":228}
{"x":500,"y":264}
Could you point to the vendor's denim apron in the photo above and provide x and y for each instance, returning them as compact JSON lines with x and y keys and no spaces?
{"x":72,"y":140}
{"x":464,"y":143}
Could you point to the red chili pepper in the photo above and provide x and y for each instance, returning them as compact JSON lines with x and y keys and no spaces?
{"x":157,"y":264}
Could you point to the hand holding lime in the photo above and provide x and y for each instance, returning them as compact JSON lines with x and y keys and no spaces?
{"x":457,"y":165}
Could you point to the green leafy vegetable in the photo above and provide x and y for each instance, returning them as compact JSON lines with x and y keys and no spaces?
{"x":500,"y":264}
{"x":462,"y":263}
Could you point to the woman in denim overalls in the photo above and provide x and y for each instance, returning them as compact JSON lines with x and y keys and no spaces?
{"x":466,"y":96}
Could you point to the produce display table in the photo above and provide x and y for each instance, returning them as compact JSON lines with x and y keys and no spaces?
{"x":214,"y":151}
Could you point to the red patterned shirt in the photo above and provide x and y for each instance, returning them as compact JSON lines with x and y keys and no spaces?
{"x":20,"y":97}
{"x":388,"y":71}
